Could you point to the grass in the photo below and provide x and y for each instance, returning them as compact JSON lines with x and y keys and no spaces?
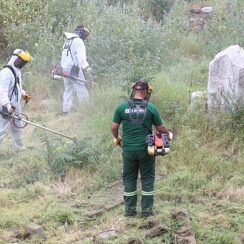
{"x":205,"y":183}
{"x":208,"y":183}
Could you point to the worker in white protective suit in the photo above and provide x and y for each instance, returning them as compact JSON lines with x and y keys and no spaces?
{"x":74,"y":62}
{"x":11,"y":93}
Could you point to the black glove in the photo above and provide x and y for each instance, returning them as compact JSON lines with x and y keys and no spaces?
{"x":7,"y":110}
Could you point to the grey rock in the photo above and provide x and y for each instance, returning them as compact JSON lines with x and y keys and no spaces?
{"x":226,"y":79}
{"x":33,"y":229}
{"x":107,"y":233}
{"x":207,"y":10}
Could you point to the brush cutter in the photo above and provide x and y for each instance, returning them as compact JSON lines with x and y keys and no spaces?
{"x":24,"y":118}
{"x":57,"y":73}
{"x":158,"y":144}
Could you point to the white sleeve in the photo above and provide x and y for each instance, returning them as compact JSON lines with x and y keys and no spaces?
{"x":23,"y":92}
{"x":81,"y":55}
{"x":5,"y":81}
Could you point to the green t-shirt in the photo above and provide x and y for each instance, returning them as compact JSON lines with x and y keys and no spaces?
{"x":134,"y":135}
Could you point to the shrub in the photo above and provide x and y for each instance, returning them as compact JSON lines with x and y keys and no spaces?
{"x":78,"y":155}
{"x":225,"y":27}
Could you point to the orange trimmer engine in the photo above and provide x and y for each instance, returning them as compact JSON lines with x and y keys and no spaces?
{"x":158,"y":144}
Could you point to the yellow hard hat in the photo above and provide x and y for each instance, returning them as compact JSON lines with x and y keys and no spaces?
{"x":24,"y":55}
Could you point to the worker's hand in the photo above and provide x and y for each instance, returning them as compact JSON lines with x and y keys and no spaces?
{"x":118,"y":141}
{"x":170,"y":135}
{"x":10,"y":108}
{"x":26,"y":97}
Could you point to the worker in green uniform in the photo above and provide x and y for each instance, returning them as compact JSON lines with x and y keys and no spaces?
{"x":137,"y":117}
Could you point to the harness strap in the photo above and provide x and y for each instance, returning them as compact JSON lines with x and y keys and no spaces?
{"x":67,"y":46}
{"x":135,"y":109}
{"x":15,"y":89}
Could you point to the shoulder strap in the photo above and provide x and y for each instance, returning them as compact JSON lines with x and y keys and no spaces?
{"x":11,"y":68}
{"x":15,"y":90}
{"x":145,"y":103}
{"x":135,"y":110}
{"x":67,"y":45}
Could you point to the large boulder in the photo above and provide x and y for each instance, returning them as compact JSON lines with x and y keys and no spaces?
{"x":226,"y":79}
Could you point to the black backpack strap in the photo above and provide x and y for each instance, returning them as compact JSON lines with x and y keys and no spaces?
{"x":134,"y":109}
{"x":15,"y":89}
{"x":145,"y":103}
{"x":67,"y":45}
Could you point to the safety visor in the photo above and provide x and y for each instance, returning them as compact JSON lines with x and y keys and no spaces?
{"x":24,"y":55}
{"x":85,"y":33}
{"x":19,"y":63}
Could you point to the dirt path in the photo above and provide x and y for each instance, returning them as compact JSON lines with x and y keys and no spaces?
{"x":109,"y":198}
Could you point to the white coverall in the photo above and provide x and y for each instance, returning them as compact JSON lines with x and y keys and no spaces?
{"x":7,"y":81}
{"x":76,"y":56}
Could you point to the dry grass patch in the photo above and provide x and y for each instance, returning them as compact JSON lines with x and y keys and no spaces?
{"x":232,"y":194}
{"x":76,"y":181}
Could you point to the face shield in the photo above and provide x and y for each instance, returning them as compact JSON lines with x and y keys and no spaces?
{"x":19,"y":63}
{"x":82,"y":32}
{"x":20,"y":58}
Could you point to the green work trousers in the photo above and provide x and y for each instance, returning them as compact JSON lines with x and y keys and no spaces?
{"x":133,"y":163}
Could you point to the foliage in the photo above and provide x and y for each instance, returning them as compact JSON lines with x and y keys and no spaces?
{"x":225,"y":29}
{"x":78,"y":154}
{"x":171,"y":98}
{"x":17,"y":25}
{"x":56,"y":213}
{"x":139,"y":57}
{"x":7,"y":221}
{"x":156,"y":8}
{"x":148,"y":8}
{"x":129,"y":44}
{"x":21,"y":170}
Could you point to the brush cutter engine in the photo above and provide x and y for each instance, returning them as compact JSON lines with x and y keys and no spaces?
{"x":57,"y":72}
{"x":158,"y":144}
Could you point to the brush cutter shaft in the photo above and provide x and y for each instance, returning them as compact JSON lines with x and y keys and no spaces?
{"x":37,"y":125}
{"x":58,"y":77}
{"x":75,"y":78}
{"x":58,"y":72}
{"x":47,"y":129}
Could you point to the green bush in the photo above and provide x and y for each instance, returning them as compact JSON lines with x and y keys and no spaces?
{"x":78,"y":155}
{"x":121,"y":47}
{"x":155,"y":9}
{"x":225,"y":26}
